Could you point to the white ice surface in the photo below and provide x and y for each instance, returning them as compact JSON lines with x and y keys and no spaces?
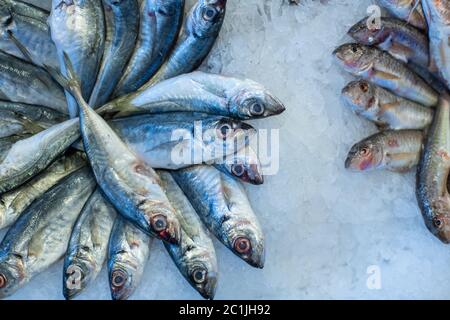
{"x":324,"y":226}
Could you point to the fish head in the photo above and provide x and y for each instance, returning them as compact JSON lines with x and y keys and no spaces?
{"x":207,"y":18}
{"x":353,"y":57}
{"x":253,"y":101}
{"x":122,"y":279}
{"x":163,"y":223}
{"x":168,"y":8}
{"x":439,"y":225}
{"x":219,"y":132}
{"x":364,"y":156}
{"x":12,"y":274}
{"x":247,"y":242}
{"x":368,"y":32}
{"x":77,"y":274}
{"x":360,"y":96}
{"x":245,"y":166}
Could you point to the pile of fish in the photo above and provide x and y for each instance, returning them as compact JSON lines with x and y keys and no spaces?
{"x":403,"y":63}
{"x":92,"y":94}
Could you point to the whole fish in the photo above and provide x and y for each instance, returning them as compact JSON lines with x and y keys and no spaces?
{"x":88,"y":245}
{"x":122,"y":27}
{"x":179,"y":140}
{"x":385,"y":71}
{"x":28,"y":157}
{"x":407,"y":10}
{"x":14,"y":202}
{"x":195,"y":257}
{"x":78,"y":30}
{"x":40,"y":236}
{"x":243,"y":165}
{"x":200,"y":92}
{"x":196,"y":40}
{"x":160,"y":22}
{"x":23,"y":82}
{"x":222,"y":204}
{"x":32,"y":33}
{"x":432,"y":174}
{"x":130,"y":184}
{"x":401,"y":40}
{"x":437,"y":13}
{"x":385,"y":109}
{"x":397,"y":151}
{"x":128,"y":252}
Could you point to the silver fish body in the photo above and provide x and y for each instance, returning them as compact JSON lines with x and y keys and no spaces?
{"x":40,"y":236}
{"x":128,"y":252}
{"x":160,"y":22}
{"x":222,"y":204}
{"x":407,"y":10}
{"x":195,"y":257}
{"x":385,"y":71}
{"x":122,"y":24}
{"x":88,"y":245}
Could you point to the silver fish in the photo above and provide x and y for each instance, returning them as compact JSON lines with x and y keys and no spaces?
{"x":214,"y":94}
{"x":40,"y":236}
{"x":407,"y":10}
{"x":88,"y":245}
{"x":122,"y":25}
{"x":385,"y":71}
{"x":222,"y":204}
{"x":385,"y":109}
{"x":196,"y":40}
{"x":160,"y":22}
{"x":128,"y":252}
{"x":195,"y":257}
{"x":78,"y":30}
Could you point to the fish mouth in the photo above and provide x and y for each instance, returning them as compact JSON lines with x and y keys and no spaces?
{"x":209,"y":289}
{"x":348,"y":163}
{"x":256,"y":178}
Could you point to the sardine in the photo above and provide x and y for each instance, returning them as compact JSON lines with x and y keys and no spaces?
{"x":122,"y":27}
{"x":407,"y":10}
{"x":222,"y":204}
{"x":78,"y":30}
{"x":432,"y":174}
{"x":40,"y":236}
{"x":214,"y":94}
{"x":197,"y":37}
{"x":385,"y":71}
{"x":394,"y":150}
{"x":14,"y":202}
{"x":128,"y":252}
{"x":401,"y":40}
{"x":385,"y":109}
{"x":160,"y":22}
{"x":88,"y":245}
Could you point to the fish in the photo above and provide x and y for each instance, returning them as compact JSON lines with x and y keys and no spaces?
{"x":122,"y":27}
{"x":214,"y":94}
{"x":407,"y":10}
{"x":432,"y":174}
{"x":223,"y":206}
{"x":196,"y":39}
{"x":88,"y":245}
{"x":385,"y":109}
{"x":127,"y":181}
{"x":195,"y":257}
{"x":437,"y":13}
{"x":40,"y":236}
{"x":7,"y":142}
{"x":14,"y":202}
{"x":178,"y":140}
{"x":26,"y":9}
{"x":28,"y":157}
{"x":400,"y":40}
{"x":382,"y":69}
{"x":243,"y":165}
{"x":160,"y":23}
{"x":128,"y":252}
{"x":78,"y":30}
{"x":394,"y":150}
{"x":23,"y":82}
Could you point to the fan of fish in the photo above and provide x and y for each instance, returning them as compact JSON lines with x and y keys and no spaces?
{"x":403,"y":63}
{"x":91,"y":95}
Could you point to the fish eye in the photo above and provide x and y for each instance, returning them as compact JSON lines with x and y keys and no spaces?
{"x":364,"y":86}
{"x":199,"y":275}
{"x":209,"y":13}
{"x":159,"y":223}
{"x":224,"y":130}
{"x":237,"y":169}
{"x":256,"y":109}
{"x":437,"y":223}
{"x":118,"y":278}
{"x":242,"y":245}
{"x":354,"y":49}
{"x":3,"y":281}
